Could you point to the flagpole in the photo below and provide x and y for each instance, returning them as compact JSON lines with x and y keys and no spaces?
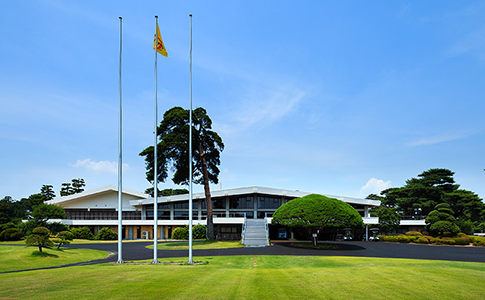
{"x":155,"y":166}
{"x":191,"y":261}
{"x":120,"y":164}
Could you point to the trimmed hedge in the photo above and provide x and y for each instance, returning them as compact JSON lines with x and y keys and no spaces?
{"x":413,"y":233}
{"x":460,"y":239}
{"x":180,"y":233}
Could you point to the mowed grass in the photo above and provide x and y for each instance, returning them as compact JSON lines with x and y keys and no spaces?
{"x":255,"y":277}
{"x":20,"y":257}
{"x":198,"y":245}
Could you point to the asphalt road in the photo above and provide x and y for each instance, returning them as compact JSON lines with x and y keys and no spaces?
{"x":138,"y":251}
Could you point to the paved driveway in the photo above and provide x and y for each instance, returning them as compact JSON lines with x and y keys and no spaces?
{"x":138,"y":251}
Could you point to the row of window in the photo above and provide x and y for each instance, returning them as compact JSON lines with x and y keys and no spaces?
{"x":184,"y":215}
{"x":234,"y":203}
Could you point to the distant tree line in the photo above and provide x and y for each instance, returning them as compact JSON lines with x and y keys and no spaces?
{"x":35,"y":211}
{"x":421,"y":196}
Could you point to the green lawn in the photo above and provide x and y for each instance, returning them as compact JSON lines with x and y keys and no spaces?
{"x":197,"y":245}
{"x":255,"y":277}
{"x":20,"y":257}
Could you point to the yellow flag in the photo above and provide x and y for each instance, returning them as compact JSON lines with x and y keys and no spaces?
{"x":160,"y":47}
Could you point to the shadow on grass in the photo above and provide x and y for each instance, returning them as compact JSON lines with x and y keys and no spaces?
{"x":43,"y":254}
{"x":324,"y":246}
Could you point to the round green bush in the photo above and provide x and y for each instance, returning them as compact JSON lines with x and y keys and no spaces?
{"x":444,"y":228}
{"x":180,"y":233}
{"x":82,"y":233}
{"x":198,"y":232}
{"x":106,"y":234}
{"x":11,"y":234}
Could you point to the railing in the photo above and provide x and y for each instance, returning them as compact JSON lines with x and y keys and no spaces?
{"x":266,"y":226}
{"x":243,"y":232}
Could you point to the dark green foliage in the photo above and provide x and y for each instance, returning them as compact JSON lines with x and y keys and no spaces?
{"x":419,"y":196}
{"x":389,"y":219}
{"x":28,"y":226}
{"x":11,"y":234}
{"x":167,"y":192}
{"x":48,"y":211}
{"x":8,"y":225}
{"x":73,"y":187}
{"x":315,"y":213}
{"x":172,"y":151}
{"x":56,"y":227}
{"x":63,"y":238}
{"x":106,"y":234}
{"x":48,"y":192}
{"x":40,"y":238}
{"x":82,"y":233}
{"x":441,"y":221}
{"x":198,"y":232}
{"x":444,"y":228}
{"x":180,"y":233}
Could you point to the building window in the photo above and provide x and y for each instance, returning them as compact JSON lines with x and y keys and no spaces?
{"x":241,"y":202}
{"x":268,"y":202}
{"x":216,"y":204}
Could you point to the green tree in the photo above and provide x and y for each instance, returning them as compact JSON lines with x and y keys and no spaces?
{"x":315,"y":213}
{"x":66,"y":189}
{"x":74,"y":187}
{"x":78,"y":185}
{"x":40,"y":238}
{"x":44,"y":212}
{"x":63,"y":238}
{"x":441,"y":221}
{"x":389,"y":219}
{"x":48,"y":192}
{"x":167,"y":192}
{"x":172,"y":151}
{"x":419,"y":196}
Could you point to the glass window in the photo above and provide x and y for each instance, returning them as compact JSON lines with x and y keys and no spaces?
{"x":269,"y":202}
{"x":241,"y":202}
{"x":216,"y":204}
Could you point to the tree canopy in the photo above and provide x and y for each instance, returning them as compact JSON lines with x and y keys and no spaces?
{"x":316,"y":212}
{"x":173,"y":152}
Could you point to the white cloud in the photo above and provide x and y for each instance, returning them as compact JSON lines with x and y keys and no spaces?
{"x":103,"y":166}
{"x":437,"y":139}
{"x":374,"y":186}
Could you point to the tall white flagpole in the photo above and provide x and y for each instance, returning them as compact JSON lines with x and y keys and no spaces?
{"x":155,"y":165}
{"x":120,"y":170}
{"x":191,"y":261}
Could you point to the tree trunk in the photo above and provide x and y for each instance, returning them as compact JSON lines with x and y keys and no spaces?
{"x":208,"y":200}
{"x":40,"y":248}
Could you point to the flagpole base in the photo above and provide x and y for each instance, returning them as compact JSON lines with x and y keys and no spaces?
{"x":120,"y":261}
{"x":155,"y":262}
{"x":191,"y":261}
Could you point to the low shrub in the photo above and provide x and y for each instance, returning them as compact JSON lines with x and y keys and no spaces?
{"x":479,"y":241}
{"x":431,"y":240}
{"x":413,"y":233}
{"x":462,"y":240}
{"x":11,"y":234}
{"x":106,"y":234}
{"x":180,"y":233}
{"x":82,"y":233}
{"x":445,"y":241}
{"x":422,"y":240}
{"x":403,"y":239}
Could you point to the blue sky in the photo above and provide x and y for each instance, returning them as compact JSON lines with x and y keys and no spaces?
{"x":333,"y":97}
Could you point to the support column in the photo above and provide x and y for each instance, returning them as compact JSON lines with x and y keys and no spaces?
{"x":366,"y":232}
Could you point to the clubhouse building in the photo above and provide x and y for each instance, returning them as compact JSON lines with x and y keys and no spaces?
{"x":98,"y":208}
